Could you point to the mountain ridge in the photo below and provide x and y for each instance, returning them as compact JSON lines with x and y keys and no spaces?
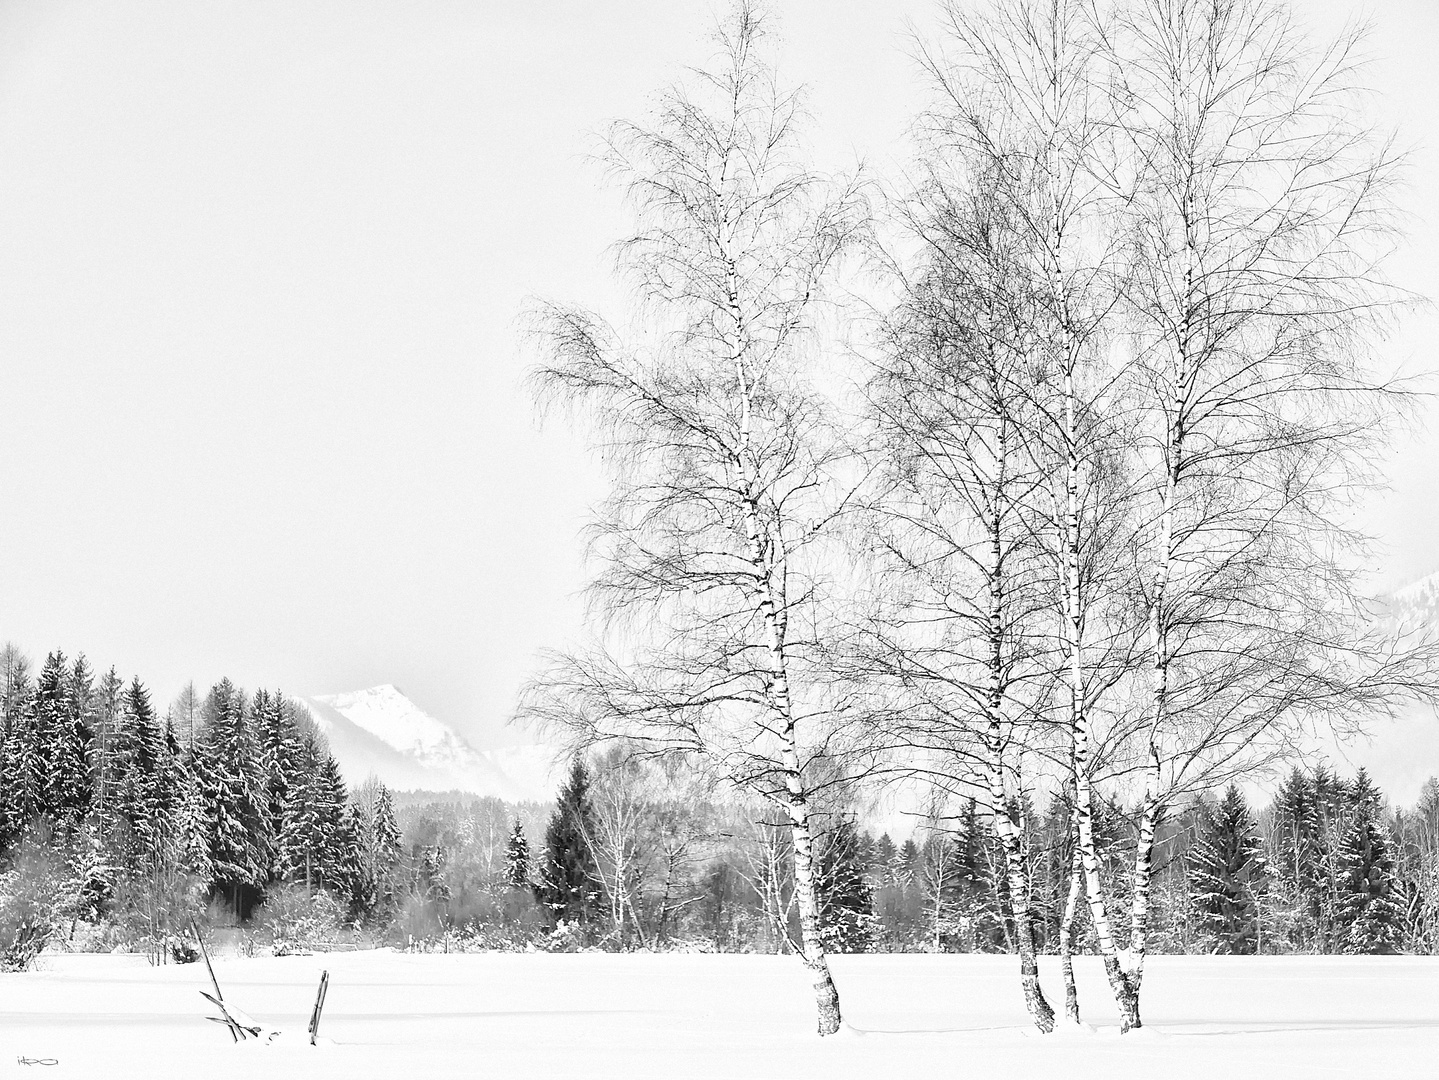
{"x":380,"y":731}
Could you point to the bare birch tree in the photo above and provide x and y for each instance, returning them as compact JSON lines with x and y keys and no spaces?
{"x":726,"y":463}
{"x":1259,"y":211}
{"x":1019,"y":113}
{"x":1203,"y":223}
{"x":620,"y":799}
{"x":958,"y":572}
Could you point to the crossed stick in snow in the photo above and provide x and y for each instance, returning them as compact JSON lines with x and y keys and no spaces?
{"x":240,"y":1025}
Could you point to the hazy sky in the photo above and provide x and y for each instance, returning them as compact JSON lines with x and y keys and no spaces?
{"x":261,"y":410}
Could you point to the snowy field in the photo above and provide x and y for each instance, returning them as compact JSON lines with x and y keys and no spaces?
{"x":680,"y":1016}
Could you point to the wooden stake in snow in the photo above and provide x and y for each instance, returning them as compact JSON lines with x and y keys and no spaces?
{"x":319,"y":1006}
{"x":238,"y":1030}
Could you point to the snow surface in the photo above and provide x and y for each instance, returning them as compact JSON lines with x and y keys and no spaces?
{"x":383,"y":732}
{"x":672,"y":1016}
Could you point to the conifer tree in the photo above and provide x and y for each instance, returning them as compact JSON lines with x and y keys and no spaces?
{"x":194,"y":824}
{"x":884,"y":859}
{"x":517,"y":858}
{"x":909,"y":859}
{"x":318,"y":844}
{"x":568,"y":880}
{"x":278,"y":748}
{"x":234,"y":795}
{"x":95,"y":873}
{"x":846,"y":901}
{"x":79,"y":690}
{"x":1228,"y":876}
{"x":1369,"y":913}
{"x":142,"y":793}
{"x":22,"y":797}
{"x":63,"y":739}
{"x":339,"y":862}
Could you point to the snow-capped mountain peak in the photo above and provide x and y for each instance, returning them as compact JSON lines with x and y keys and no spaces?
{"x":386,"y":713}
{"x":381,"y":731}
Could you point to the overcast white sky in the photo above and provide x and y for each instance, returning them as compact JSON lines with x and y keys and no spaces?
{"x":260,"y":267}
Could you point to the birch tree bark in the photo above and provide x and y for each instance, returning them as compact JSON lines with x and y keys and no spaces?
{"x":729,"y":471}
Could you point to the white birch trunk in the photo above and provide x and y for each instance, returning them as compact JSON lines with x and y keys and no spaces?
{"x":1039,"y":1008}
{"x":797,"y":801}
{"x":1066,"y":936}
{"x":1124,"y":996}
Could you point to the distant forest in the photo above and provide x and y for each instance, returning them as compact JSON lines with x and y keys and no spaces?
{"x":121,"y":827}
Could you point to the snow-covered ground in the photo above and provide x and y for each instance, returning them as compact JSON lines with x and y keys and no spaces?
{"x":680,"y":1016}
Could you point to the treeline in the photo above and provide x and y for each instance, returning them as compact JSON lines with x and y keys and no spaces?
{"x":125,"y":825}
{"x":118,"y":826}
{"x":628,"y":859}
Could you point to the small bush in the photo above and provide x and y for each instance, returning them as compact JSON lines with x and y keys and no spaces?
{"x":297,"y":920}
{"x":182,"y":950}
{"x":31,"y":909}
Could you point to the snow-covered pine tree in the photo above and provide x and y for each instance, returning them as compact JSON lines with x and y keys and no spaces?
{"x":81,"y":725}
{"x":517,"y":858}
{"x":22,"y":762}
{"x":278,"y":745}
{"x":195,"y":823}
{"x":1368,"y":914}
{"x":318,"y":844}
{"x":388,"y":852}
{"x":568,"y":884}
{"x":339,"y":857}
{"x":142,"y":794}
{"x":302,"y":837}
{"x":63,"y":739}
{"x":1298,"y":858}
{"x":1228,"y":875}
{"x":237,"y":842}
{"x":846,"y":902}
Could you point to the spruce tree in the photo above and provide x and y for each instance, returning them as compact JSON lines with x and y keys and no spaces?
{"x":136,"y":751}
{"x":22,"y":798}
{"x":884,"y":860}
{"x":63,"y":740}
{"x":846,"y":901}
{"x":388,"y":852}
{"x":339,"y":858}
{"x":568,"y":878}
{"x":909,"y":860}
{"x":1369,"y":913}
{"x":517,"y":858}
{"x":234,"y":794}
{"x":278,"y":749}
{"x":1228,"y":876}
{"x":195,"y":824}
